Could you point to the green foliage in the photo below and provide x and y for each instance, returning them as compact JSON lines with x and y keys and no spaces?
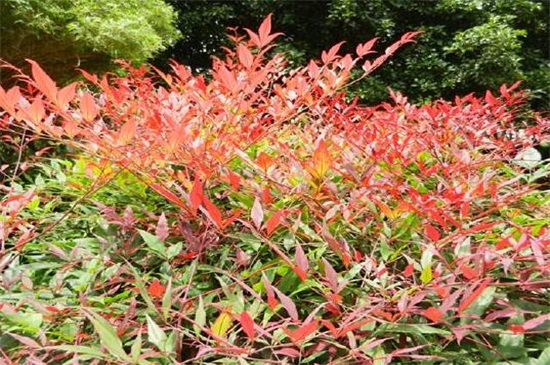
{"x":491,"y":53}
{"x":63,"y":34}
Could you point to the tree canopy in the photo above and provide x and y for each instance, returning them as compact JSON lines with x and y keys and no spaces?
{"x":64,"y":34}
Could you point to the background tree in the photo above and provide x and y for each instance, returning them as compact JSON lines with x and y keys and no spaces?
{"x":64,"y":34}
{"x":467,"y":45}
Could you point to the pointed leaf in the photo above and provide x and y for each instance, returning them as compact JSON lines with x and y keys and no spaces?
{"x":302,"y":331}
{"x":213,"y":212}
{"x":127,"y":132}
{"x":196,"y":195}
{"x":200,"y":316}
{"x":245,"y":56}
{"x":162,"y":228}
{"x":288,"y":304}
{"x":167,"y":194}
{"x":431,"y":232}
{"x":257,"y":213}
{"x":43,"y":82}
{"x":88,"y":107}
{"x":247,"y":323}
{"x":321,"y":159}
{"x":222,"y":324}
{"x":107,"y":335}
{"x":135,"y":351}
{"x":301,"y":262}
{"x":330,"y":275}
{"x":272,"y":302}
{"x":66,"y":95}
{"x":535,"y":322}
{"x":273,"y":222}
{"x":153,"y":242}
{"x":155,"y":334}
{"x":466,"y":302}
{"x":433,"y":314}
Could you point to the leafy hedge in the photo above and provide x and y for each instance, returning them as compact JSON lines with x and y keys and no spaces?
{"x":257,"y":215}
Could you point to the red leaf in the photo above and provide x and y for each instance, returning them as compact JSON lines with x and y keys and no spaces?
{"x":321,"y":160}
{"x":156,"y":289}
{"x":43,"y":82}
{"x":89,"y":77}
{"x":433,"y":314}
{"x":468,"y":273}
{"x":409,"y":270}
{"x":472,"y":297}
{"x":227,"y":78}
{"x":161,"y":230}
{"x":264,"y":160}
{"x":234,"y":179}
{"x":247,"y":323}
{"x":431,"y":232}
{"x":329,"y":56}
{"x":264,"y":36}
{"x":535,"y":322}
{"x":167,"y":194}
{"x":9,"y":99}
{"x":213,"y":212}
{"x":257,"y":213}
{"x":196,"y":195}
{"x":272,"y":302}
{"x":273,"y":222}
{"x":127,"y":132}
{"x":288,"y":304}
{"x":66,"y":95}
{"x":331,"y":275}
{"x":301,"y":262}
{"x":36,"y":111}
{"x":333,"y":330}
{"x":88,"y":108}
{"x":302,"y":331}
{"x":288,"y":351}
{"x":245,"y":56}
{"x":265,"y":29}
{"x":365,"y":48}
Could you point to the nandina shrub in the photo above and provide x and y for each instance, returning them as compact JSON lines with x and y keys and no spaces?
{"x":302,"y":226}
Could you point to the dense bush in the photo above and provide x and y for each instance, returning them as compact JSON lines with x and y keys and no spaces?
{"x":257,"y":216}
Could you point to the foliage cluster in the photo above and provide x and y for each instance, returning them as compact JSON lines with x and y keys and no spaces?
{"x":259,"y":216}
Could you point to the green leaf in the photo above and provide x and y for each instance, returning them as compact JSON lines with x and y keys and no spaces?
{"x":142,"y":289}
{"x":482,"y":302}
{"x":107,"y":335}
{"x":174,"y":250}
{"x":154,"y":243}
{"x":426,"y":275}
{"x":91,"y":351}
{"x":156,"y":334}
{"x":200,"y":316}
{"x":544,"y":358}
{"x":28,"y":321}
{"x":136,"y":348}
